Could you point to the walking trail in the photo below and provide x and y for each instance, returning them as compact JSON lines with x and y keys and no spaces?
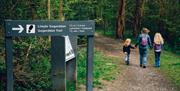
{"x":132,"y":77}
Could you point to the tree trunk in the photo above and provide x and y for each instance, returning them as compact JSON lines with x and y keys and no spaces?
{"x":32,"y":6}
{"x":161,"y":23}
{"x":121,"y":20}
{"x":161,"y":14}
{"x":49,"y":13}
{"x":49,"y":9}
{"x":61,"y":17}
{"x":139,"y":11}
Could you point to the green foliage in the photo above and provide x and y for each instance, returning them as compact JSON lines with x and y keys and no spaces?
{"x":104,"y":13}
{"x":104,"y":68}
{"x":70,"y":86}
{"x":35,"y":75}
{"x":35,"y":79}
{"x":165,"y":12}
{"x":170,"y":66}
{"x":107,"y":33}
{"x":31,"y":63}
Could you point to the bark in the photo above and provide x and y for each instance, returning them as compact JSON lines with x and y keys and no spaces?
{"x":161,"y":15}
{"x":49,"y":14}
{"x":168,"y":36}
{"x":121,"y":20}
{"x":161,"y":24}
{"x":49,"y":9}
{"x":61,"y":17}
{"x":32,"y":6}
{"x":139,"y":11}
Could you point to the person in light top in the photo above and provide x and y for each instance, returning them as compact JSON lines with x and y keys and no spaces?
{"x":127,"y":49}
{"x":157,"y":45}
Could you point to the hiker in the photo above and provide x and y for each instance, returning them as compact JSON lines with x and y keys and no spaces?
{"x":127,"y":49}
{"x":144,"y":43}
{"x":157,"y":45}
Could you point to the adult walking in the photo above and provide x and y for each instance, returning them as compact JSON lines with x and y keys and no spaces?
{"x":144,"y":42}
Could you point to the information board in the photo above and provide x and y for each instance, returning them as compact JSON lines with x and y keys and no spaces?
{"x":48,"y":28}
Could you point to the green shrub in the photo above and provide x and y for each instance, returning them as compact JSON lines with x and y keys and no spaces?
{"x":35,"y":72}
{"x":104,"y":68}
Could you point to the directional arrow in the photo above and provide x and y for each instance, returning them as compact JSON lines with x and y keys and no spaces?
{"x":20,"y":28}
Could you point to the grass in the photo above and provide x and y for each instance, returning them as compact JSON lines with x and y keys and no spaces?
{"x":104,"y":68}
{"x":170,"y":66}
{"x":106,"y":33}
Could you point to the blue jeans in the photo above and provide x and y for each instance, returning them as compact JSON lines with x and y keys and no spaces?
{"x":127,"y":58}
{"x":143,"y":56}
{"x":157,"y":59}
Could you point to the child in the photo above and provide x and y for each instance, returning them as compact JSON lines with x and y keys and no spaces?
{"x":158,"y":42}
{"x":126,"y":49}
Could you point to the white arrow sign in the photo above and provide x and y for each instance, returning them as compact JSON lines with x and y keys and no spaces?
{"x":20,"y":28}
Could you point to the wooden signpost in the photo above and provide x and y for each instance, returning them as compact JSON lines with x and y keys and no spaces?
{"x":63,"y":59}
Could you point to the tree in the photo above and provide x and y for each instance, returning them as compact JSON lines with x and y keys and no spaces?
{"x":49,"y":13}
{"x":139,"y":10}
{"x":61,"y":17}
{"x":161,"y":14}
{"x":121,"y":20}
{"x":49,"y":9}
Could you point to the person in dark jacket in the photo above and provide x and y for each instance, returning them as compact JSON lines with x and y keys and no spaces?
{"x":144,"y":43}
{"x":127,"y":49}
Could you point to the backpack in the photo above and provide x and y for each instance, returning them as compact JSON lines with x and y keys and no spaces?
{"x":157,"y":47}
{"x":144,"y":40}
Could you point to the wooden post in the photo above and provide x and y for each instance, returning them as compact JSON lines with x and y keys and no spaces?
{"x":58,"y":72}
{"x":9,"y":63}
{"x":89,"y":69}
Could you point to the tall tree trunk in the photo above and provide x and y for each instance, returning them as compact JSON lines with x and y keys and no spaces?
{"x":49,"y":9}
{"x":161,"y":23}
{"x":121,"y":20}
{"x":61,"y":17}
{"x":49,"y":13}
{"x":32,"y":6}
{"x":161,"y":14}
{"x":139,"y":11}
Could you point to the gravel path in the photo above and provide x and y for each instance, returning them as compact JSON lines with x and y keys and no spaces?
{"x":132,"y":77}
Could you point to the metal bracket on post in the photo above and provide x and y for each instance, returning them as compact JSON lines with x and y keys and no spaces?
{"x":89,"y":67}
{"x":58,"y":69}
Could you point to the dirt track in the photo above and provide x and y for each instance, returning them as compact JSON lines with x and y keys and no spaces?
{"x":132,"y":77}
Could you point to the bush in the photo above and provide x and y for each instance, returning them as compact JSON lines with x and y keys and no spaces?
{"x":104,"y":68}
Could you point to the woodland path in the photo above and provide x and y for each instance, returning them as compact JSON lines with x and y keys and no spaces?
{"x":132,"y":77}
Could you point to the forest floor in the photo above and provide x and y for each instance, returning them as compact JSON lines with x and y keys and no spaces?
{"x":132,"y":77}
